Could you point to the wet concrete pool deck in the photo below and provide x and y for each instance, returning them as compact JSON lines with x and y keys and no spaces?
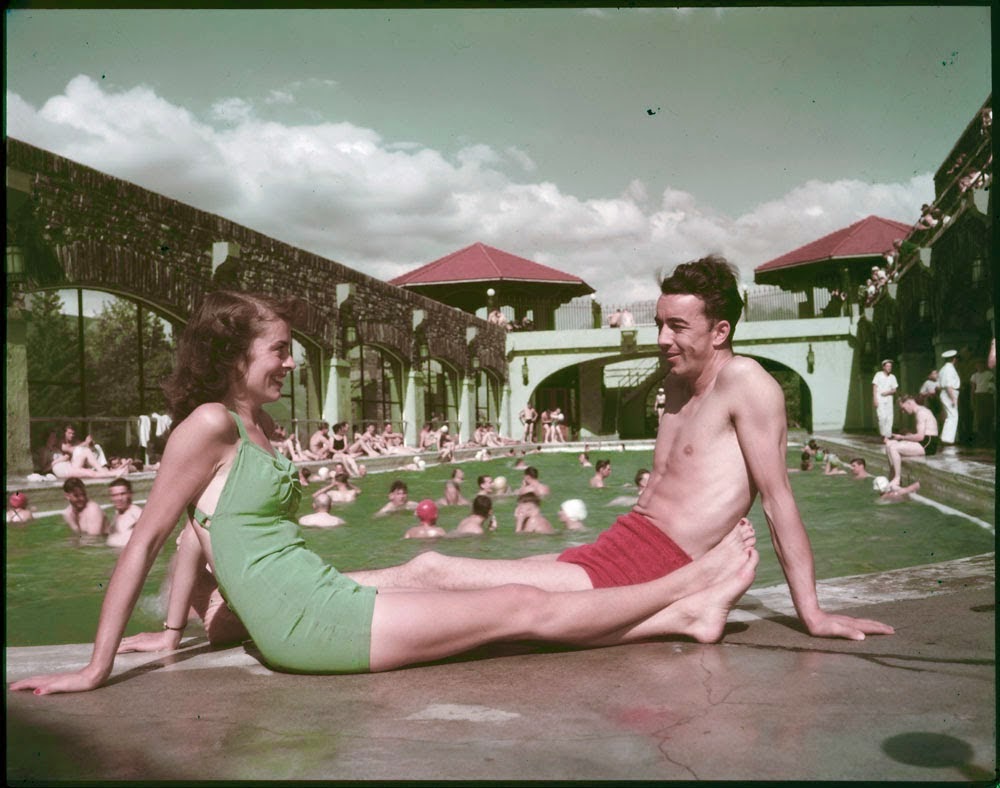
{"x":768,"y":702}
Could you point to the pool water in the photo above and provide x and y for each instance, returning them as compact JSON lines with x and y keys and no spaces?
{"x":55,"y":584}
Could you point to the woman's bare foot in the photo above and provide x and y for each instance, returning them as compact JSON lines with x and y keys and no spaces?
{"x":703,"y":615}
{"x":718,"y":562}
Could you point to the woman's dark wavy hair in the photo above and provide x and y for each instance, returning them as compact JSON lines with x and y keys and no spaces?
{"x":713,"y":279}
{"x":214,"y":342}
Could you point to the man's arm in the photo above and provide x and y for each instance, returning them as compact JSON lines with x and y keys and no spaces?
{"x":758,"y":411}
{"x":71,"y":519}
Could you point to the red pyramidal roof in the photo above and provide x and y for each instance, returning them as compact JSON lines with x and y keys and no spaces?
{"x":482,"y":263}
{"x":870,"y":237}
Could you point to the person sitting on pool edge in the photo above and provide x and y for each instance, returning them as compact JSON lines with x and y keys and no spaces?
{"x":923,"y":442}
{"x":720,"y":443}
{"x":304,"y":616}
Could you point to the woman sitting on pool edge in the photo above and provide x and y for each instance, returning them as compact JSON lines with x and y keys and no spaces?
{"x":303,"y":615}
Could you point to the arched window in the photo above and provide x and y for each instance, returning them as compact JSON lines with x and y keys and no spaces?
{"x":376,"y":386}
{"x":441,"y":390}
{"x":487,"y":397}
{"x":95,"y":360}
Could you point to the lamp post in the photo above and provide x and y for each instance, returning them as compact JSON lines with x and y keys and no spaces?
{"x":490,"y":293}
{"x":810,"y":359}
{"x":524,"y":372}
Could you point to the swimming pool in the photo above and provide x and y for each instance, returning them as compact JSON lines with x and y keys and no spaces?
{"x":55,"y":585}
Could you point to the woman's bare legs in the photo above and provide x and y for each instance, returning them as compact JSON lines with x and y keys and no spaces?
{"x":409,"y":628}
{"x":86,"y":466}
{"x":432,"y":570}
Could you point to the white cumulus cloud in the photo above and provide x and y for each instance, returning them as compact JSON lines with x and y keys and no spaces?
{"x":387,"y":206}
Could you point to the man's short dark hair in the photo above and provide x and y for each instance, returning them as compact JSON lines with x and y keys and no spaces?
{"x":529,"y":497}
{"x":121,"y":482}
{"x":600,"y":465}
{"x":531,"y":471}
{"x":859,"y":461}
{"x":73,"y":484}
{"x":399,"y":484}
{"x":481,"y":479}
{"x":904,"y":397}
{"x":482,"y":505}
{"x":712,"y":279}
{"x":343,"y":478}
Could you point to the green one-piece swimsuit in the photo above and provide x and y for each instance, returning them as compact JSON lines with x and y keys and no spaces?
{"x":303,"y":615}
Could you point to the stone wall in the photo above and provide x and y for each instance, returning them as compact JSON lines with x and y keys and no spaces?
{"x":108,"y":234}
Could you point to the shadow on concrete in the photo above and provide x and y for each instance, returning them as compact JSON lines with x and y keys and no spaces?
{"x":936,"y":751}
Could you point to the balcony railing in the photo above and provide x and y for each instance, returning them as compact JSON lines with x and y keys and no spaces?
{"x":761,"y":302}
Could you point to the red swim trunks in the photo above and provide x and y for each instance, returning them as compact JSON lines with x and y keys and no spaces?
{"x":631,"y":551}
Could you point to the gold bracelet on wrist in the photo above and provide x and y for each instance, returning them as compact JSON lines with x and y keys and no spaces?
{"x":167,"y":626}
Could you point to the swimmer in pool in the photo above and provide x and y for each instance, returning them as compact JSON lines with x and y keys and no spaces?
{"x":219,"y":470}
{"x":83,"y":516}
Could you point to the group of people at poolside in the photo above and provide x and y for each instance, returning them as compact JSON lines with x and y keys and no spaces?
{"x":66,"y":456}
{"x":674,"y":565}
{"x":553,"y":424}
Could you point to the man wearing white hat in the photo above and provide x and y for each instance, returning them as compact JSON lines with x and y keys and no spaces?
{"x":884,"y":386}
{"x":949,"y":384}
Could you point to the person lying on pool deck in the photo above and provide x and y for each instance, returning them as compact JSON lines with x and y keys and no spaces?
{"x":303,"y":615}
{"x":720,"y":442}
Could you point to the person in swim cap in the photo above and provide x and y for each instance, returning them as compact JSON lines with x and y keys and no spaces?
{"x":572,"y":513}
{"x":18,"y":510}
{"x":427,"y":513}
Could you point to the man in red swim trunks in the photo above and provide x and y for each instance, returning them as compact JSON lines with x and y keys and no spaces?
{"x":721,"y":442}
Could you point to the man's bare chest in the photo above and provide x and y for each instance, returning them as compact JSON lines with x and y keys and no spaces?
{"x":695,"y":431}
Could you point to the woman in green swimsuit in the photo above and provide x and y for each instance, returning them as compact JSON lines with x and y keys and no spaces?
{"x":220,"y":470}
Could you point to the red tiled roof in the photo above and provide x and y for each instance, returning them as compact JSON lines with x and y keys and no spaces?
{"x":870,"y":237}
{"x":482,"y":263}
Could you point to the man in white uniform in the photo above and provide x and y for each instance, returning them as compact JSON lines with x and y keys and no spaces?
{"x":884,"y":386}
{"x":949,"y":384}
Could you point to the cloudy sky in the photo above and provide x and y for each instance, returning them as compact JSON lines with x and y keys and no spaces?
{"x":608,"y":143}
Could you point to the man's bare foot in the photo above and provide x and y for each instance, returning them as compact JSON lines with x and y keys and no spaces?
{"x":718,"y":562}
{"x":705,"y":612}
